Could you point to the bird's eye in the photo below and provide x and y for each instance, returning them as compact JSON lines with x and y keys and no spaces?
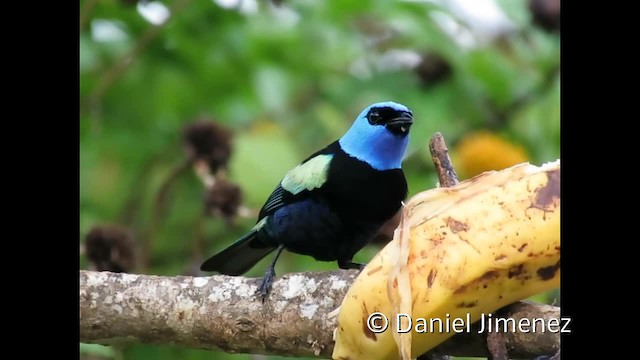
{"x":374,"y":118}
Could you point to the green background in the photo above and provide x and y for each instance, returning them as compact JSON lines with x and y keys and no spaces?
{"x":286,"y":79}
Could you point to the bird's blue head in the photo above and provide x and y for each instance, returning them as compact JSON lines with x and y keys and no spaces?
{"x":379,"y":136}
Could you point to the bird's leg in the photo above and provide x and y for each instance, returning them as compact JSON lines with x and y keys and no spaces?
{"x":348,"y":264}
{"x":267,"y":280}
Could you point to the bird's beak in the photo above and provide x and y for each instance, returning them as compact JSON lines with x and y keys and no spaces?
{"x":401,"y":124}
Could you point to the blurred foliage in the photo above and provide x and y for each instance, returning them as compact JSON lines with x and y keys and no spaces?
{"x":286,"y":78}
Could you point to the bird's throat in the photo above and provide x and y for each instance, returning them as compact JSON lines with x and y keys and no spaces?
{"x":382,"y":153}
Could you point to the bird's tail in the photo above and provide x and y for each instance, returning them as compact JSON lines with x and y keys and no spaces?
{"x":237,"y":258}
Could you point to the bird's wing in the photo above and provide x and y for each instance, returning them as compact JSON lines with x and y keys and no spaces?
{"x":274,"y":202}
{"x":299,"y":182}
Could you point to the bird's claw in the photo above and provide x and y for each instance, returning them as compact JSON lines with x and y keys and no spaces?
{"x":265,"y":285}
{"x":349,"y":265}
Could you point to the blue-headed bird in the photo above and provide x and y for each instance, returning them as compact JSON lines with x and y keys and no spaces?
{"x":334,"y":202}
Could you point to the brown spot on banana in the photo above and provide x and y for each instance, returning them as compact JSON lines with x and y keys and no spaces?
{"x":548,"y":272}
{"x":365,"y":329}
{"x":467,"y":305}
{"x":548,"y":195}
{"x":521,"y":248}
{"x":374,"y":270}
{"x":515,"y":270}
{"x":455,"y":225}
{"x":431,"y":277}
{"x":487,"y":276}
{"x":436,"y":239}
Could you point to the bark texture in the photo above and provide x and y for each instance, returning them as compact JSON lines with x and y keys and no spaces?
{"x":222,"y":312}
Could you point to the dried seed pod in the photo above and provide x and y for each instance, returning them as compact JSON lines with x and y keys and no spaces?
{"x":432,"y":69}
{"x":209,"y":142}
{"x":546,"y":14}
{"x":110,"y":248}
{"x":223,"y":200}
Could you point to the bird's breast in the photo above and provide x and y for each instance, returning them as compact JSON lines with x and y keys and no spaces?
{"x":357,"y":191}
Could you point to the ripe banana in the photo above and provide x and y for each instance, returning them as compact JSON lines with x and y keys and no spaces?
{"x":469,"y":249}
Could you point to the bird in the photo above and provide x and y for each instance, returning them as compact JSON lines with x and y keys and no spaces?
{"x":332,"y":203}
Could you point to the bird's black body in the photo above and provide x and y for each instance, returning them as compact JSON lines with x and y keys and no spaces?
{"x":331,"y":223}
{"x":333,"y":203}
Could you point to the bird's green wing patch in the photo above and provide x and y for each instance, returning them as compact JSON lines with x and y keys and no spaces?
{"x":307,"y":176}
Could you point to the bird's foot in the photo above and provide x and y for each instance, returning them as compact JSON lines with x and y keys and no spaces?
{"x":265,"y":285}
{"x":267,"y":280}
{"x":348,"y":265}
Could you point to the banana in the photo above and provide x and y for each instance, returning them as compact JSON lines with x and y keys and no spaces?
{"x":458,"y":253}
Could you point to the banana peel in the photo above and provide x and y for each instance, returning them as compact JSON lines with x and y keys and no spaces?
{"x":458,"y":253}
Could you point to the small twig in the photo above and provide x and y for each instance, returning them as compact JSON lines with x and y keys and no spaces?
{"x":131,"y":207}
{"x":247,"y":212}
{"x":163,"y":190}
{"x":203,"y":172}
{"x":447,"y":176}
{"x":198,"y":241}
{"x":159,"y":212}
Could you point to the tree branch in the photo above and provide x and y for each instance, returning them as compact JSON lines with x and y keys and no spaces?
{"x":440,"y":155}
{"x":222,"y":312}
